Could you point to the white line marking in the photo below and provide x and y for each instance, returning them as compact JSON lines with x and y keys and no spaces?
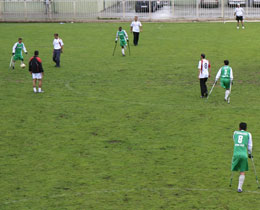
{"x":128,"y":190}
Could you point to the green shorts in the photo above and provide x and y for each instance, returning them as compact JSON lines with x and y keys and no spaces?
{"x":225,"y":83}
{"x":239,"y":163}
{"x":18,"y":57}
{"x":123,"y":43}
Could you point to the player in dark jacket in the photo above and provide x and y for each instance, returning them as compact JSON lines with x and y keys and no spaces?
{"x":36,"y":70}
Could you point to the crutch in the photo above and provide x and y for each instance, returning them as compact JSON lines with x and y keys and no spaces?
{"x":255,"y":172}
{"x":114,"y":49}
{"x":11,"y":61}
{"x":212,"y":89}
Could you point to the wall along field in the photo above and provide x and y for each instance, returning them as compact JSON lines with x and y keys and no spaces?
{"x":113,"y":132}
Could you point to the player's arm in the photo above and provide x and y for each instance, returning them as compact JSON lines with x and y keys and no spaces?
{"x":14,"y":48}
{"x":30,"y":66}
{"x":131,"y":28}
{"x":209,"y":67}
{"x":141,"y":27}
{"x":235,"y":12}
{"x":250,"y":146}
{"x":24,"y":49}
{"x":61,"y":44}
{"x":218,"y":75}
{"x":199,"y":67}
{"x":231,"y":74}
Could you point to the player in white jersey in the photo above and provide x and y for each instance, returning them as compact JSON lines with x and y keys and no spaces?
{"x":204,"y":74}
{"x":239,"y":13}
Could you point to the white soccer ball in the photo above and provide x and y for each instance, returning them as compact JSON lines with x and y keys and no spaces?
{"x":22,"y":65}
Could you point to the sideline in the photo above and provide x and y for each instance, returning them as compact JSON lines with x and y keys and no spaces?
{"x":129,"y":190}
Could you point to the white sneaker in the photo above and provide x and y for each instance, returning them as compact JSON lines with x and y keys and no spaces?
{"x":41,"y":91}
{"x":237,"y":27}
{"x":243,"y":27}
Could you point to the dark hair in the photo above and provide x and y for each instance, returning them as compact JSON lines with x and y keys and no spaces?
{"x":203,"y":55}
{"x":120,"y":28}
{"x":20,"y":39}
{"x":36,"y":52}
{"x":243,"y":126}
{"x":226,"y":62}
{"x":56,"y":34}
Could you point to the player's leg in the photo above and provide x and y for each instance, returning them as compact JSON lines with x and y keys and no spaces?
{"x":34,"y":83}
{"x":134,"y":38}
{"x":54,"y":57}
{"x":243,"y":165}
{"x":137,"y":38}
{"x":58,"y":58}
{"x":15,"y":58}
{"x":242,"y":22}
{"x":227,"y":87}
{"x":237,"y":18}
{"x":122,"y":44}
{"x":205,"y":87}
{"x":201,"y":87}
{"x":40,"y":85}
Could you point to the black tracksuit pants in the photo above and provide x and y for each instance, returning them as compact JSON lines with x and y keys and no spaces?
{"x":136,"y":38}
{"x":203,"y":87}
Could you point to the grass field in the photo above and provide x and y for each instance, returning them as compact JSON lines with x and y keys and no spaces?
{"x":127,"y":132}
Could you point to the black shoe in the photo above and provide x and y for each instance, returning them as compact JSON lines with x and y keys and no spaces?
{"x":57,"y":66}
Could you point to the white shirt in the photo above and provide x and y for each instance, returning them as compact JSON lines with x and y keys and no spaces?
{"x":219,"y":73}
{"x":239,"y":11}
{"x":136,"y":26}
{"x":57,"y":43}
{"x":204,"y":66}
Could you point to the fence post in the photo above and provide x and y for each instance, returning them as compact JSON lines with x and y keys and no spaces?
{"x":247,"y":8}
{"x":25,"y":9}
{"x":150,"y":10}
{"x":74,"y":10}
{"x":172,"y":4}
{"x":1,"y":2}
{"x":197,"y":9}
{"x":123,"y":9}
{"x":222,"y":10}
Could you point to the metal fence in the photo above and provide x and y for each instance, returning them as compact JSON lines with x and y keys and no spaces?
{"x":84,"y":10}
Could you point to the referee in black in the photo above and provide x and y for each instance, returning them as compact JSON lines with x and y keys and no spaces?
{"x":136,"y":28}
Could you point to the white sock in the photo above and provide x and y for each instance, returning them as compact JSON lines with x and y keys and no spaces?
{"x":35,"y":90}
{"x":241,"y":181}
{"x":226,"y":94}
{"x":123,"y":51}
{"x":39,"y":90}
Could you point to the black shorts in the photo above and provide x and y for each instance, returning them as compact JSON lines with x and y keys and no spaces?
{"x":239,"y":18}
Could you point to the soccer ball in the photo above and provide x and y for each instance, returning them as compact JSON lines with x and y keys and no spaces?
{"x":22,"y":65}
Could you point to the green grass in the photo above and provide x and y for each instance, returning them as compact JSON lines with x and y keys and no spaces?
{"x":127,"y":132}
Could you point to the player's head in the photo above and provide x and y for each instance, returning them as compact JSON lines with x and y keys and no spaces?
{"x":242,"y":126}
{"x":36,"y":53}
{"x":120,"y":28}
{"x":136,"y":18}
{"x":20,"y":40}
{"x":203,"y":55}
{"x":238,"y":5}
{"x":56,"y":36}
{"x":226,"y":62}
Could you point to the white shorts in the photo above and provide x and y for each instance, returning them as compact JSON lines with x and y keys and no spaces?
{"x":37,"y":75}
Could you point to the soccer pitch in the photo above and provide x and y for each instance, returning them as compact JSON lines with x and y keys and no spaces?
{"x":114,"y":132}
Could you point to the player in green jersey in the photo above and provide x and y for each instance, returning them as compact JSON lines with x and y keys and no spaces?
{"x":17,"y":51}
{"x":242,"y":149}
{"x":226,"y":77}
{"x":122,"y":35}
